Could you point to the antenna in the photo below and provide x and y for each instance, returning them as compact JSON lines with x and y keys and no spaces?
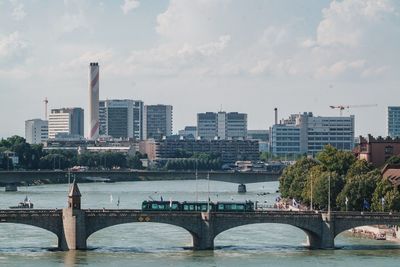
{"x":45,"y":107}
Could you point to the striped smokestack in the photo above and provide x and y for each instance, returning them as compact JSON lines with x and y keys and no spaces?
{"x":93,"y":133}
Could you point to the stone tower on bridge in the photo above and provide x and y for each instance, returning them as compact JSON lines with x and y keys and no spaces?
{"x":74,"y":227}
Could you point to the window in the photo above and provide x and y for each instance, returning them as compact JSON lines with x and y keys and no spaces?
{"x":389,"y":150}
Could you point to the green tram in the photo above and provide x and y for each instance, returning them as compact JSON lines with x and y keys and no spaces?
{"x":202,"y":206}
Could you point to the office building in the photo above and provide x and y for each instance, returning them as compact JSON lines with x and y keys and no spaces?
{"x":230,"y":151}
{"x":394,"y":122}
{"x":262,"y":136}
{"x":158,"y":121}
{"x":121,"y":118}
{"x":68,"y":121}
{"x":222,"y":125}
{"x":306,"y":134}
{"x":36,"y":131}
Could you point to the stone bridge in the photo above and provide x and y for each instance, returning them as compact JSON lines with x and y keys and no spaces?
{"x":73,"y":225}
{"x":60,"y":176}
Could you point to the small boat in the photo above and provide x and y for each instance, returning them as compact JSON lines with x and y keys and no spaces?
{"x":26,"y":204}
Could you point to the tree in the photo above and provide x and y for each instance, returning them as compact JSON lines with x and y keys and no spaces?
{"x":336,"y":160}
{"x":358,"y":188}
{"x":393,"y":160}
{"x":321,"y":189}
{"x":387,"y":192}
{"x":294,"y":177}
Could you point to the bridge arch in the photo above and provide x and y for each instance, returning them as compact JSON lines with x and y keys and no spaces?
{"x":313,"y":238}
{"x":28,"y":230}
{"x":140,"y":229}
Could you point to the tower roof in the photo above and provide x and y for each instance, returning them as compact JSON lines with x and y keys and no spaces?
{"x":74,"y":191}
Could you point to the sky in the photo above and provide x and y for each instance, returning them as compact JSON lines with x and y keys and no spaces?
{"x":203,"y":55}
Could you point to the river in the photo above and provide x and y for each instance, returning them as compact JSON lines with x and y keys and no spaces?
{"x":150,"y":244}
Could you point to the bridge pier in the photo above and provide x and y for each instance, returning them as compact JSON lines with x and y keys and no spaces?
{"x":204,"y":238}
{"x":327,"y":232}
{"x":73,"y":236}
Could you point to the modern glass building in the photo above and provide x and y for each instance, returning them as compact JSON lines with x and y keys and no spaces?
{"x":394,"y":121}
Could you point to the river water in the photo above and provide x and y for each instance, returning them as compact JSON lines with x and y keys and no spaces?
{"x":152,"y":244}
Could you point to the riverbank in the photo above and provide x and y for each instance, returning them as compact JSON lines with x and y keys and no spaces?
{"x":377,"y":232}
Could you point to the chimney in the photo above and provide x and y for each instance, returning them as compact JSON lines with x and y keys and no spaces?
{"x":276,"y":115}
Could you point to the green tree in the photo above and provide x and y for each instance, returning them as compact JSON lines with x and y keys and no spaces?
{"x":393,"y":160}
{"x":321,"y":189}
{"x":294,"y":177}
{"x":385,"y":190}
{"x":336,"y":160}
{"x":357,"y":188}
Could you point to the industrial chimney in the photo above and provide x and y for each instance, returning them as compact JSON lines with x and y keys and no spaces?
{"x":93,"y":129}
{"x":276,"y":115}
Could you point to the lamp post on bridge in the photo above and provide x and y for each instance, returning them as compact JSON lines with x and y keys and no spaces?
{"x":329,"y":195}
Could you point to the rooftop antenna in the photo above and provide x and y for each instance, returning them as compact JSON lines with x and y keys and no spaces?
{"x":45,"y":107}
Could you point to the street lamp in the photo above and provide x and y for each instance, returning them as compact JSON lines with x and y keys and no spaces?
{"x":311,"y":204}
{"x":329,"y":194}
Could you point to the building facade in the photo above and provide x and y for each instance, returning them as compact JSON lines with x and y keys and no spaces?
{"x":66,"y":121}
{"x":305,"y":134}
{"x":36,"y":131}
{"x":230,"y":151}
{"x":121,"y":118}
{"x":188,"y":131}
{"x":394,"y":122}
{"x":222,"y":125}
{"x":158,"y":121}
{"x":262,"y":136}
{"x":377,"y":150}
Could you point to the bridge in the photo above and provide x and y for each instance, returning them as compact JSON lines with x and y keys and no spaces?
{"x":59,"y":176}
{"x":73,"y":225}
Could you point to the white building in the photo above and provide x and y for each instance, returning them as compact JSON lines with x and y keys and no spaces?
{"x":121,"y":118}
{"x":36,"y":131}
{"x":306,"y":134}
{"x":67,"y":121}
{"x":222,"y":125}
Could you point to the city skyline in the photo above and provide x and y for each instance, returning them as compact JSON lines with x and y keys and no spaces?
{"x":291,"y":56}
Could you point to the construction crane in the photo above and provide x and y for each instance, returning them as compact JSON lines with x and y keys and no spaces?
{"x":343,"y":107}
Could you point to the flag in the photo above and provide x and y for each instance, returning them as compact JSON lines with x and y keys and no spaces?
{"x":366,"y":204}
{"x":346,"y":201}
{"x":383,"y":202}
{"x":294,"y":203}
{"x":118,"y":202}
{"x":170,"y":202}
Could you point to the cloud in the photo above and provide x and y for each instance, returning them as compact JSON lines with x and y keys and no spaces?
{"x":13,"y":49}
{"x":345,"y":22}
{"x":72,"y":22}
{"x":18,"y":11}
{"x":129,"y":5}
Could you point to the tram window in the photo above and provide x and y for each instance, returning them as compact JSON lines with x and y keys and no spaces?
{"x":191,"y":207}
{"x":185,"y":207}
{"x":161,"y":207}
{"x":240,"y":207}
{"x":221,"y":206}
{"x":144,"y":206}
{"x":233,"y":207}
{"x":154,"y":206}
{"x":203,"y":207}
{"x":174,"y":206}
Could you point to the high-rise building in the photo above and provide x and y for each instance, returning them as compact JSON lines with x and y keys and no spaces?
{"x":158,"y":121}
{"x":394,"y":122}
{"x":68,"y":121}
{"x":262,"y":136}
{"x":306,"y":134}
{"x":222,"y":125}
{"x":93,"y":129}
{"x":36,"y":131}
{"x":121,"y":118}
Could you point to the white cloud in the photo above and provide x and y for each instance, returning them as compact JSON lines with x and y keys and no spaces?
{"x":345,"y":22}
{"x":12,"y":49}
{"x":129,"y":5}
{"x":18,"y":11}
{"x":71,"y":22}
